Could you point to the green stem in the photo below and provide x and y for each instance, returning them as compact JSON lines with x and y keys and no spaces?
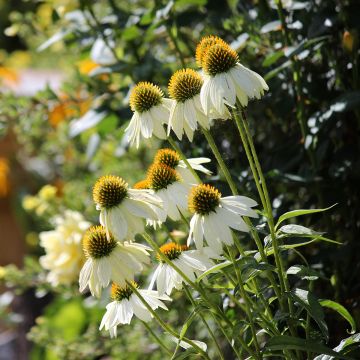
{"x":177,"y":47}
{"x":166,"y":327}
{"x":195,"y":286}
{"x":157,"y":339}
{"x":278,"y":260}
{"x":244,"y":295}
{"x":220,"y":160}
{"x":175,"y":146}
{"x":234,"y":191}
{"x":205,"y":323}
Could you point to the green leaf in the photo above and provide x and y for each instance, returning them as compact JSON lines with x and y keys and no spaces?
{"x":273,"y":58}
{"x":297,"y":230}
{"x":300,"y":212}
{"x":342,"y":311}
{"x":284,"y":342}
{"x":131,"y":33}
{"x":344,"y":344}
{"x":311,"y":304}
{"x":304,"y":272}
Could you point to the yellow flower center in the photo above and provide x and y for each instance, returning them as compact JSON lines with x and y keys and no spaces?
{"x":109,"y":191}
{"x":95,"y":243}
{"x":143,"y":184}
{"x":204,"y":199}
{"x":119,"y":293}
{"x":184,"y":85}
{"x":160,"y":176}
{"x":219,"y":58}
{"x":203,"y":47}
{"x":167,"y":157}
{"x":171,"y":250}
{"x":144,"y":96}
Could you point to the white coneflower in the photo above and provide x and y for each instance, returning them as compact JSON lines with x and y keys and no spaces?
{"x":170,"y":187}
{"x":190,"y":262}
{"x":225,"y":79}
{"x":214,"y":216}
{"x":109,"y":260}
{"x":186,"y":112}
{"x":151,"y":111}
{"x":122,"y":210}
{"x":171,"y":158}
{"x":126,"y":303}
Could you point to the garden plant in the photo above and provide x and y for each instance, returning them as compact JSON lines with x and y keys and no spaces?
{"x":193,"y":184}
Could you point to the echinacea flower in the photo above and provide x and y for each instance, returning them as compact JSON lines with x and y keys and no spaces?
{"x":122,"y":210}
{"x":226,"y":80}
{"x":126,"y":303}
{"x":109,"y":260}
{"x":63,"y":256}
{"x":151,"y":111}
{"x":171,"y":158}
{"x":170,"y":188}
{"x":214,"y":216}
{"x":190,"y":262}
{"x":186,"y":112}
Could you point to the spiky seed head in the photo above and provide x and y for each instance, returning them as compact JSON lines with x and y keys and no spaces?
{"x":144,"y":96}
{"x":204,"y":199}
{"x":219,"y":58}
{"x":171,"y":250}
{"x":160,"y":176}
{"x":96,"y":244}
{"x":119,"y":293}
{"x":142,"y":184}
{"x":109,"y":191}
{"x":167,"y":157}
{"x":184,"y":85}
{"x":204,"y":45}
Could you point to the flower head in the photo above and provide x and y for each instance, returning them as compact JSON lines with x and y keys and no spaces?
{"x":168,"y":185}
{"x":190,"y":262}
{"x":122,"y":209}
{"x":151,"y":111}
{"x":226,"y":80}
{"x":109,"y":191}
{"x":186,"y":112}
{"x":63,"y":257}
{"x":204,"y":45}
{"x":172,"y":159}
{"x":126,"y":303}
{"x":109,"y":260}
{"x":214,"y":216}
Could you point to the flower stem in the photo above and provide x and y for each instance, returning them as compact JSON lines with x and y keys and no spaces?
{"x":157,"y":339}
{"x":234,"y":191}
{"x":244,"y":295}
{"x":198,"y":287}
{"x":175,"y":146}
{"x":253,"y":158}
{"x":166,"y":327}
{"x":220,"y":160}
{"x":188,"y":293}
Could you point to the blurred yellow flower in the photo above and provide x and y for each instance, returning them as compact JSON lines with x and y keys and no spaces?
{"x":348,"y":41}
{"x":8,"y":76}
{"x":47,"y":192}
{"x":4,"y":177}
{"x":68,"y":109}
{"x":86,"y":66}
{"x":30,"y":202}
{"x":63,"y":248}
{"x":2,"y":272}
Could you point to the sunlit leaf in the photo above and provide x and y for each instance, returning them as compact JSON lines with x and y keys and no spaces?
{"x":340,"y":310}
